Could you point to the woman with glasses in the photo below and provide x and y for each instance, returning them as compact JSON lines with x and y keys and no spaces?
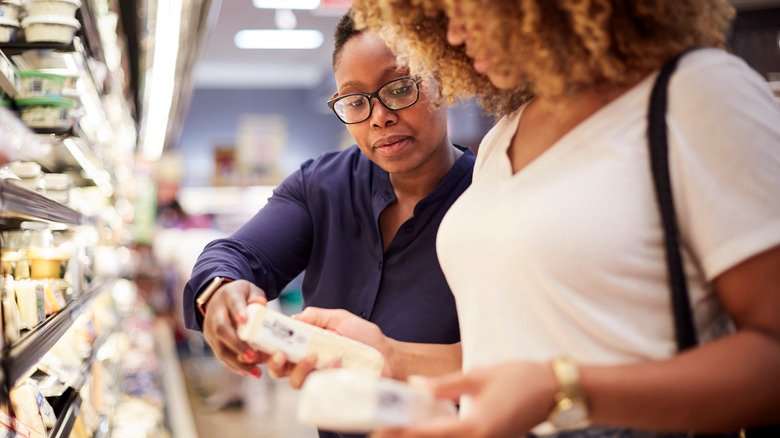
{"x":361,"y":223}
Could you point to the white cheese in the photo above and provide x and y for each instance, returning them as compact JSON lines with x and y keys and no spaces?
{"x":271,"y":331}
{"x":351,"y":401}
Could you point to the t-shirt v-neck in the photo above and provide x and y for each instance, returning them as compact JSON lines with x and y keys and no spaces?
{"x":593,"y":123}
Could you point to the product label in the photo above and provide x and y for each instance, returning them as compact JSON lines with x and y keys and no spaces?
{"x":278,"y":334}
{"x":394,"y":406}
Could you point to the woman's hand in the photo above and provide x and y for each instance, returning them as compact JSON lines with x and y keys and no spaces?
{"x":341,"y":322}
{"x":508,"y":400}
{"x":224,"y":312}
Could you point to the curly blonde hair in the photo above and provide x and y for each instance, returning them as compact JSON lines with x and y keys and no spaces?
{"x":550,"y":48}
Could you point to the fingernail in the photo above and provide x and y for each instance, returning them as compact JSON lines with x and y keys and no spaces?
{"x":255,"y":372}
{"x":250,"y":356}
{"x":241,"y":318}
{"x":279,"y":358}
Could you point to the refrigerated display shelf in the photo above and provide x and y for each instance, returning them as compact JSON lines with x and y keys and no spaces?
{"x":68,"y":415}
{"x":24,"y":354}
{"x":18,"y":204}
{"x":69,"y":410}
{"x":19,"y":47}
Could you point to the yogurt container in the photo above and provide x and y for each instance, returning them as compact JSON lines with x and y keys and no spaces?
{"x":45,"y":113}
{"x":40,"y":84}
{"x":9,"y":27}
{"x":50,"y":28}
{"x":60,"y":8}
{"x":10,"y":9}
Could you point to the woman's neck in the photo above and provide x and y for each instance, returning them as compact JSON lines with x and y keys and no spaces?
{"x":420,"y":181}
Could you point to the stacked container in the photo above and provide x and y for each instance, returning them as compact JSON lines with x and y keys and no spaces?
{"x":51,"y":20}
{"x":9,"y":20}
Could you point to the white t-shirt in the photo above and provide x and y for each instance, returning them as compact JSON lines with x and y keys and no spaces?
{"x":566,"y":256}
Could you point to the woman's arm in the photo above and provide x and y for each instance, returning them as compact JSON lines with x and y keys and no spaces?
{"x":718,"y":387}
{"x":402,"y":359}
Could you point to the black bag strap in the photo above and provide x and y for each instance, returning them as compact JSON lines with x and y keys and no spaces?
{"x":684,"y":328}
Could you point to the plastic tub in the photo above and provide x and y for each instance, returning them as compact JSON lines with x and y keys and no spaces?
{"x":47,"y":262}
{"x":45,"y":113}
{"x":40,"y":84}
{"x":9,"y":28}
{"x":26,"y":169}
{"x":50,"y":28}
{"x":10,"y":9}
{"x":60,"y":8}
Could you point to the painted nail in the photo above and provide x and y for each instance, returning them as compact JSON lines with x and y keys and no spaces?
{"x":250,"y":356}
{"x":241,"y":318}
{"x":255,"y":372}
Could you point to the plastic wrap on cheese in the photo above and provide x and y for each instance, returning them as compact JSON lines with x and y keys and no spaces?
{"x":351,"y":401}
{"x":270,"y":331}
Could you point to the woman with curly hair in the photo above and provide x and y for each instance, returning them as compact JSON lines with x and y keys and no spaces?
{"x":556,"y":254}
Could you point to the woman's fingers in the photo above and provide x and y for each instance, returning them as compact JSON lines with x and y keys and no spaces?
{"x":302,"y":370}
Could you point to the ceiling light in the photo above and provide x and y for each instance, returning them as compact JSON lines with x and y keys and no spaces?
{"x":287,"y":4}
{"x":285,"y":19}
{"x":278,"y":39}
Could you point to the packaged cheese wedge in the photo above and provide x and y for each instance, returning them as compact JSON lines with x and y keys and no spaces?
{"x":351,"y":401}
{"x":270,"y":331}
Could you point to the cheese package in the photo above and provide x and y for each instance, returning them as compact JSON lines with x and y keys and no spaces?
{"x":270,"y":331}
{"x":351,"y":401}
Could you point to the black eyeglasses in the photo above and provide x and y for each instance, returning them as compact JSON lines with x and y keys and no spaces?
{"x":395,"y":95}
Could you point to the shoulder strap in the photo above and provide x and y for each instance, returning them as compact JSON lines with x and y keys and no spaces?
{"x":685,"y":331}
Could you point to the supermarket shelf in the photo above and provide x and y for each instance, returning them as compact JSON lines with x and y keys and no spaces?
{"x":19,"y":47}
{"x":28,"y":351}
{"x":18,"y":204}
{"x":70,"y":408}
{"x":68,"y":416}
{"x":7,"y":76}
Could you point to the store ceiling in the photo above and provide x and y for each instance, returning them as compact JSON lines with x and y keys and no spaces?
{"x":223,"y":65}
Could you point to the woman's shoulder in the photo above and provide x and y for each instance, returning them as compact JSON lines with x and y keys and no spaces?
{"x":714,"y":75}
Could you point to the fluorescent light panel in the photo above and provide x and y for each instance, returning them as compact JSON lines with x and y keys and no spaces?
{"x":162,"y":77}
{"x":278,"y":39}
{"x":287,"y":4}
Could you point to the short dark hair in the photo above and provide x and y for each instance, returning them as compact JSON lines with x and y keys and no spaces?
{"x":344,"y":31}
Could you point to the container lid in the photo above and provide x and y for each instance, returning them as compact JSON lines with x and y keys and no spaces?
{"x":73,"y":2}
{"x":45,"y":101}
{"x":39,"y":74}
{"x":44,"y":253}
{"x":26,"y":169}
{"x":12,"y":2}
{"x":5,"y":21}
{"x":57,"y":181}
{"x":51,"y":19}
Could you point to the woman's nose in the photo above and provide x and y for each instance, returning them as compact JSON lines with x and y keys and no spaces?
{"x":381,"y":116}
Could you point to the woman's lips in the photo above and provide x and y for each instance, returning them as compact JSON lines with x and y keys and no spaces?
{"x":393,"y":146}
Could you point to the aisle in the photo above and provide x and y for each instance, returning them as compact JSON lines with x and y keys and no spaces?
{"x":268,"y":410}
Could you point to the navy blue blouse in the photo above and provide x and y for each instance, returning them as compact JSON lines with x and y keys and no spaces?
{"x":324,"y":219}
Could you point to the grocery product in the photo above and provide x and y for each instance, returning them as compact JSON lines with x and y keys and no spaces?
{"x":46,"y":113}
{"x":36,"y":83}
{"x":50,"y":28}
{"x":270,"y":331}
{"x":59,"y":8}
{"x":9,"y":27}
{"x":10,"y":9}
{"x":47,"y":262}
{"x":351,"y":401}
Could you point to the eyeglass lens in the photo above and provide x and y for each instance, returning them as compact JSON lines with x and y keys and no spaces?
{"x":398,"y":94}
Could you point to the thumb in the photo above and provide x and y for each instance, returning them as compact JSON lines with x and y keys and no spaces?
{"x":323,"y":318}
{"x":453,"y":386}
{"x":256,"y":295}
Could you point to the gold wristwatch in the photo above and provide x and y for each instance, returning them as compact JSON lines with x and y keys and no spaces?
{"x":206,"y":295}
{"x":571,"y":410}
